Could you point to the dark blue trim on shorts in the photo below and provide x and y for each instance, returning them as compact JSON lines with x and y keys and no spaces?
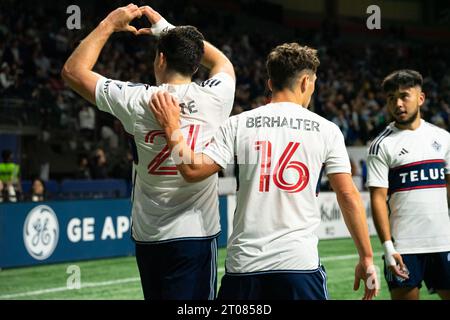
{"x":271,"y":271}
{"x":275,"y":285}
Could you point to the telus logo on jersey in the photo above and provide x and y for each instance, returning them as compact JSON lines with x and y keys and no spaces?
{"x":417,"y":175}
{"x":41,"y":232}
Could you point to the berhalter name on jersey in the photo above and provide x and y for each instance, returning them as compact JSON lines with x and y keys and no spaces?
{"x":282,"y":122}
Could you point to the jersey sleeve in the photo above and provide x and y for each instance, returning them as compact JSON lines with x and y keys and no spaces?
{"x":221,"y":149}
{"x":337,"y":160}
{"x":377,"y":170}
{"x":223,"y":86}
{"x":119,"y":99}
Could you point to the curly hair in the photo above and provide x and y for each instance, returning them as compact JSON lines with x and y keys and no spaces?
{"x":183,"y":48}
{"x":285,"y":62}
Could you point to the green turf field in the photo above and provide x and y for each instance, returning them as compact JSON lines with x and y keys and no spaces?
{"x":119,"y":279}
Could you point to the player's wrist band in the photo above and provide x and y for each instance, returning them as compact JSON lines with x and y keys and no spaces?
{"x":389,"y":250}
{"x":161,"y":26}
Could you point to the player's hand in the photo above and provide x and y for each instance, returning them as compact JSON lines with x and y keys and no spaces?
{"x":397,"y":266}
{"x":153,"y":16}
{"x":394,"y":260}
{"x":159,"y":24}
{"x":365,"y":271}
{"x":120,"y":18}
{"x":165,"y":109}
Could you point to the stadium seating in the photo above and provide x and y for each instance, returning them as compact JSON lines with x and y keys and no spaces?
{"x":83,"y":189}
{"x":93,"y":189}
{"x":51,"y":186}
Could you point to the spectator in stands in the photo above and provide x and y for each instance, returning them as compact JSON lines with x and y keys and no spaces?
{"x":5,"y":77}
{"x":86,"y":118}
{"x":83,"y":171}
{"x":38,"y":191}
{"x":123,"y":169}
{"x":10,"y":176}
{"x":99,"y":169}
{"x":109,"y":138}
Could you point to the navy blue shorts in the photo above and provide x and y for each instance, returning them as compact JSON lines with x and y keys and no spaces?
{"x":289,"y":285}
{"x":432,"y":268}
{"x":178,"y":270}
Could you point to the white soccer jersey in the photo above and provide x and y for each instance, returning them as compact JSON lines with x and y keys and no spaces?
{"x":165,"y":206}
{"x":412,"y":164}
{"x":280,"y":149}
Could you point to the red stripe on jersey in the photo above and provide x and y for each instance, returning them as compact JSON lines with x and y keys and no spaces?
{"x":419,"y":162}
{"x":432,"y":186}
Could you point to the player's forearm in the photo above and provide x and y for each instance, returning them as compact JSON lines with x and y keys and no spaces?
{"x":380,"y":217}
{"x":215,"y":60}
{"x":86,"y":54}
{"x":188,"y":163}
{"x":353,"y":212}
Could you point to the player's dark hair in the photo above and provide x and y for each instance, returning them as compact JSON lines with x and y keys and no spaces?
{"x":402,"y":79}
{"x":286,"y":62}
{"x":183,"y":48}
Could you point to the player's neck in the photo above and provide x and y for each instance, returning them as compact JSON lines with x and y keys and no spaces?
{"x":175,"y":78}
{"x":410,"y":126}
{"x":288,"y":96}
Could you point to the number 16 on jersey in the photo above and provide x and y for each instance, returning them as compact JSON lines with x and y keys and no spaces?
{"x":281,"y":168}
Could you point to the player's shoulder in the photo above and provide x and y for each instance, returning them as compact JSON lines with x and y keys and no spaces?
{"x":125,"y":93}
{"x":244,"y":115}
{"x":221,"y":80}
{"x":329,"y":126}
{"x":259,"y":111}
{"x":240,"y":120}
{"x":140,"y":86}
{"x":140,"y":93}
{"x":134,"y":90}
{"x":381,"y":139}
{"x":434,"y":128}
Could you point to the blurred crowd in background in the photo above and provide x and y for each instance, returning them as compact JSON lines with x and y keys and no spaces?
{"x":35,"y":42}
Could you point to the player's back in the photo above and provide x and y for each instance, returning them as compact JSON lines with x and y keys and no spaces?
{"x":281,"y":148}
{"x":165,"y":206}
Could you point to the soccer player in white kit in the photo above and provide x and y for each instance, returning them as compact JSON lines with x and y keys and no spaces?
{"x":175,"y":223}
{"x":280,"y":148}
{"x":408,"y":176}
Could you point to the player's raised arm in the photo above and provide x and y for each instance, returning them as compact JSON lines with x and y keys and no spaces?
{"x":353,"y":212}
{"x":77,"y":71}
{"x":192,"y":166}
{"x":213,"y":58}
